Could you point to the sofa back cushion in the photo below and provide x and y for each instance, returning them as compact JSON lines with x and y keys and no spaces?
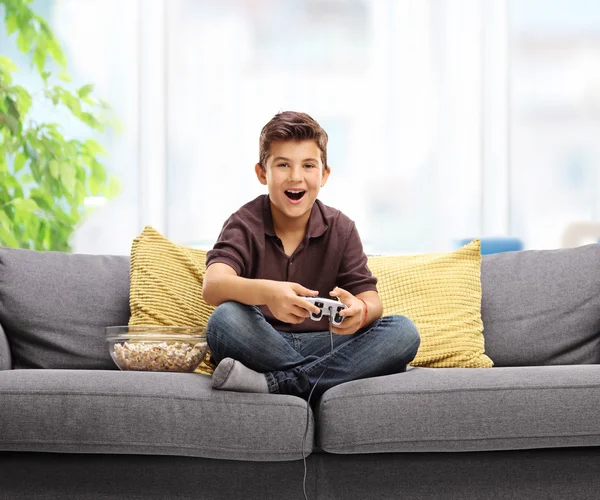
{"x":542,"y":307}
{"x":5,"y":359}
{"x":54,"y":307}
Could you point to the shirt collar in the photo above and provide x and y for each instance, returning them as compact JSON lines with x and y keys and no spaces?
{"x":317,"y":224}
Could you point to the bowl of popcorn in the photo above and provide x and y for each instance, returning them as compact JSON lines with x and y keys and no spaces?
{"x":157,"y":348}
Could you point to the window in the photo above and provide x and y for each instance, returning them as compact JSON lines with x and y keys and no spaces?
{"x":555,"y":111}
{"x":448,"y":119}
{"x":404,"y":127}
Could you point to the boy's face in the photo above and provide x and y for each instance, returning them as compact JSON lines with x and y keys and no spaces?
{"x":294,"y":176}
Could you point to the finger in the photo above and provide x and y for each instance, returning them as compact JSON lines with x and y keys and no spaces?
{"x":350,"y":323}
{"x":301,"y":311}
{"x":311,"y":307}
{"x":345,"y":326}
{"x":305,"y":305}
{"x":349,"y":311}
{"x":306,"y":292}
{"x":340,"y":293}
{"x":294,"y":318}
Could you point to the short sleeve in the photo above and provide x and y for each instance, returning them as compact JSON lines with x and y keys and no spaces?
{"x":354,"y":274}
{"x":233,"y":246}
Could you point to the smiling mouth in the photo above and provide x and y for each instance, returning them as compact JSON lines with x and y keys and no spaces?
{"x":294,"y":194}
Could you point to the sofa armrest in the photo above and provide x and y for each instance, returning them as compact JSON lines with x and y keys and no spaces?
{"x":5,"y":357}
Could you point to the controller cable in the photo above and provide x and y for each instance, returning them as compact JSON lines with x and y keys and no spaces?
{"x":308,"y":401}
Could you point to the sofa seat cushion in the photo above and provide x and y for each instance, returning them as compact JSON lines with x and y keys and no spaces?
{"x":87,"y":411}
{"x":463,"y":409}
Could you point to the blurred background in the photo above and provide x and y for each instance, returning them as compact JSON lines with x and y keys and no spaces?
{"x":447,"y":119}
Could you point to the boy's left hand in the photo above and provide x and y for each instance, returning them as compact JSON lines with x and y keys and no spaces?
{"x":354,"y":315}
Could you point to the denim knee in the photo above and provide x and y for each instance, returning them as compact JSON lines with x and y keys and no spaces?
{"x":410,"y":337}
{"x":223,"y":318}
{"x":226,"y":311}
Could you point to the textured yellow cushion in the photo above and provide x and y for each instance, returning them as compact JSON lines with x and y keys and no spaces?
{"x":166,"y":285}
{"x":441,"y":294}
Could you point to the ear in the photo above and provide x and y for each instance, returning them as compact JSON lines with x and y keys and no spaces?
{"x":326,"y":173}
{"x":261,"y":174}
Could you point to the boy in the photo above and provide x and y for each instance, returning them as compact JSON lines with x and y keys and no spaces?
{"x":280,"y":248}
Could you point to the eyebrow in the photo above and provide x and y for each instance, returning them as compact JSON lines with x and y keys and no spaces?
{"x":287,"y":159}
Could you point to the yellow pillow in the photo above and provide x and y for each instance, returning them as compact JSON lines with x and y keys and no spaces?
{"x":441,"y":294}
{"x":166,"y":285}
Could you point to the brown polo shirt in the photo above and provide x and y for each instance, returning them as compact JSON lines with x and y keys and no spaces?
{"x":330,"y":255}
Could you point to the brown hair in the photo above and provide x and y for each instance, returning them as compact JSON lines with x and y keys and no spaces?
{"x":291,"y":125}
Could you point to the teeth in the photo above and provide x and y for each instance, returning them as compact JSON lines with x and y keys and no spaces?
{"x":295,"y":191}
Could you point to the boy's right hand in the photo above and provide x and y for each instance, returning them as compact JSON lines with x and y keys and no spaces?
{"x":285,"y":301}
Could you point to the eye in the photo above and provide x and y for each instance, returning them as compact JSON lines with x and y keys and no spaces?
{"x":309,"y":165}
{"x":282,"y":164}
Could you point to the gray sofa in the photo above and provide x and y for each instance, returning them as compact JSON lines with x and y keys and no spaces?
{"x":72,"y":426}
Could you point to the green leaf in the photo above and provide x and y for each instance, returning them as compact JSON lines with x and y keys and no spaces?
{"x":104,"y":104}
{"x":91,"y":120}
{"x":56,"y":52}
{"x":54,"y":169}
{"x":39,"y":57}
{"x":11,"y":24}
{"x":11,"y":108}
{"x":7,"y":211}
{"x":12,"y":123}
{"x":8,"y":64}
{"x":20,"y":161}
{"x":31,"y":151}
{"x":27,"y":179}
{"x":67,"y":176}
{"x":113,"y":187}
{"x":94,"y":148}
{"x":85,"y":90}
{"x":25,"y":204}
{"x":98,"y":172}
{"x":23,"y":99}
{"x":65,"y":77}
{"x":10,"y":181}
{"x":6,"y":76}
{"x":43,"y":200}
{"x":95,"y":186}
{"x":6,"y":237}
{"x":23,"y":42}
{"x":71,"y":102}
{"x":32,"y":229}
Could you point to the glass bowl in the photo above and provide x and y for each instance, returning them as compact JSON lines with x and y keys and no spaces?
{"x":157,"y":348}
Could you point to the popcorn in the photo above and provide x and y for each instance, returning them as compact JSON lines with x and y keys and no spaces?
{"x":159,"y":356}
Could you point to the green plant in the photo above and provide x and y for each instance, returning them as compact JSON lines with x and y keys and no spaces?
{"x":45,"y":176}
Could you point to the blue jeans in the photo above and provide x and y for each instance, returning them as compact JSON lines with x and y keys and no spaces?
{"x":292,"y":362}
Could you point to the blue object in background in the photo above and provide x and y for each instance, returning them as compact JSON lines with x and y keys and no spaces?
{"x":495,"y":245}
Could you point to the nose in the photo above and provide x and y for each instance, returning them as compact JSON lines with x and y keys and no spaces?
{"x":295,"y":174}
